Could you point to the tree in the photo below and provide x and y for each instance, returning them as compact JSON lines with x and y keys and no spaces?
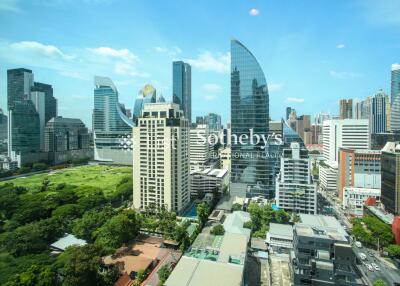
{"x":202,"y":212}
{"x":92,"y":220}
{"x":81,"y":265}
{"x":218,"y":230}
{"x":119,"y":229}
{"x":236,"y":207}
{"x":379,"y":282}
{"x":164,"y":272}
{"x":281,"y":216}
{"x":35,"y":275}
{"x":393,"y":250}
{"x":141,"y":275}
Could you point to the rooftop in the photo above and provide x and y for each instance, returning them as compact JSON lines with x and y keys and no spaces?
{"x":234,"y":223}
{"x":67,"y":241}
{"x":278,"y":229}
{"x":383,"y":216}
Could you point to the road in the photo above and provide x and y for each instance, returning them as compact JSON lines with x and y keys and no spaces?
{"x":386,"y":272}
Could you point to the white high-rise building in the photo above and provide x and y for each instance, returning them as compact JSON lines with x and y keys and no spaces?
{"x":199,"y":147}
{"x":161,"y":158}
{"x":347,"y":133}
{"x":295,"y":191}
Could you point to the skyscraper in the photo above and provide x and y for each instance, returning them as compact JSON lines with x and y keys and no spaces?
{"x":390,"y":168}
{"x":112,"y":129}
{"x":346,"y":108}
{"x":161,"y":158}
{"x":378,"y":116}
{"x":182,"y":87}
{"x":24,"y":123}
{"x":395,"y":97}
{"x":288,"y":111}
{"x":295,"y":191}
{"x":249,"y":113}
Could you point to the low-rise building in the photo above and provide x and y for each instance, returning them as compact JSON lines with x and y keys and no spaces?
{"x":280,"y":237}
{"x":328,"y":176}
{"x":354,"y":199}
{"x":322,"y":254}
{"x":208,"y":181}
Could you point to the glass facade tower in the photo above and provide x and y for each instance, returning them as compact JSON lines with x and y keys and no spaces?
{"x":249,"y":113}
{"x":182,"y":87}
{"x":112,"y":129}
{"x":395,"y":97}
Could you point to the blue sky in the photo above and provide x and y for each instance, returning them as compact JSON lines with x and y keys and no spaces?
{"x":312,"y":52}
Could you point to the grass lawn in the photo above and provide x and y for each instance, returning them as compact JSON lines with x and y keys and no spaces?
{"x":103,"y":177}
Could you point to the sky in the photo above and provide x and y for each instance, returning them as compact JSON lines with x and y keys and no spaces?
{"x":313,"y":52}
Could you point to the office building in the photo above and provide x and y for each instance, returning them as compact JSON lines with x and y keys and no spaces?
{"x":208,"y":181}
{"x":67,"y":140}
{"x":322,"y":254}
{"x":380,"y":109}
{"x":328,"y":176}
{"x":3,"y":132}
{"x":182,"y":88}
{"x":214,"y":121}
{"x":161,"y":158}
{"x":288,"y":111}
{"x":295,"y":191}
{"x":199,"y":154}
{"x":147,"y":94}
{"x":359,"y":168}
{"x":347,"y":133}
{"x":346,"y":109}
{"x":390,"y":166}
{"x":249,"y":111}
{"x":379,"y":140}
{"x":354,"y":199}
{"x":225,"y":158}
{"x":395,"y":97}
{"x":111,"y":126}
{"x":23,"y":119}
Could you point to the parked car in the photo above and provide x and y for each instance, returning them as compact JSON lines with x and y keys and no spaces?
{"x":370,"y":268}
{"x":358,"y":244}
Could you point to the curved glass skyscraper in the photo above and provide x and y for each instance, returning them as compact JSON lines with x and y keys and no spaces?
{"x":111,"y":126}
{"x":249,"y":115}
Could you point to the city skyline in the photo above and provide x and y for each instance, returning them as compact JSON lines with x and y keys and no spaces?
{"x":347,"y":64}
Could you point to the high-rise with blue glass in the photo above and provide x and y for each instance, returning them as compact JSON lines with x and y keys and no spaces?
{"x":249,"y":115}
{"x":182,"y":87}
{"x":395,"y":98}
{"x":112,"y":129}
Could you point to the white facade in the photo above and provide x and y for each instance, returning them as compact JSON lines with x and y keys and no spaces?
{"x":280,"y":237}
{"x":295,"y":190}
{"x":354,"y":199}
{"x":347,"y":133}
{"x":161,"y":158}
{"x":328,"y":176}
{"x":199,"y":147}
{"x":208,"y":181}
{"x":225,"y":158}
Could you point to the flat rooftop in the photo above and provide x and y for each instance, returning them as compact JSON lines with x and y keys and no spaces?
{"x":279,"y":229}
{"x":322,"y":221}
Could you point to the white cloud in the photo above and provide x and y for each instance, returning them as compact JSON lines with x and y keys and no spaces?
{"x":10,"y":6}
{"x":274,"y":87}
{"x":39,"y":49}
{"x":209,"y":97}
{"x":123,"y":54}
{"x":207,"y":61}
{"x":174,"y":51}
{"x":78,"y":63}
{"x":254,"y":12}
{"x":160,"y":49}
{"x":295,"y":99}
{"x":340,"y":46}
{"x":343,"y":75}
{"x":211,"y":87}
{"x":128,"y":69}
